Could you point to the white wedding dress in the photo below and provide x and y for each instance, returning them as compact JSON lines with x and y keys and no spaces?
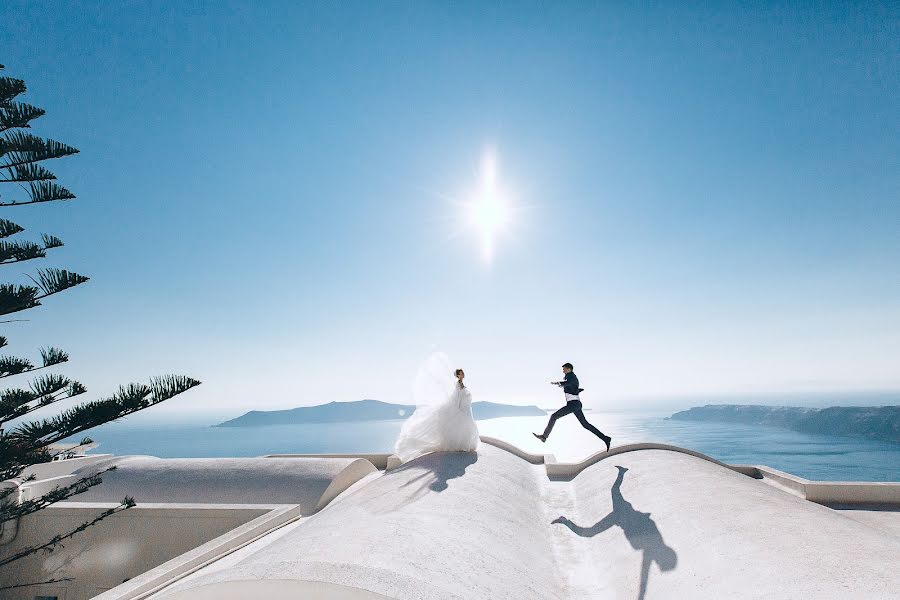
{"x":442,"y":421}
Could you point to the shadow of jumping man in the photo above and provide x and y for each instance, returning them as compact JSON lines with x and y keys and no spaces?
{"x":639,"y":529}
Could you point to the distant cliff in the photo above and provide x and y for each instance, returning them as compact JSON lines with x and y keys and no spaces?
{"x":876,"y":422}
{"x":365,"y":410}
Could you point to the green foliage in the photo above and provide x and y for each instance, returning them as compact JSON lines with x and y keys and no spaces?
{"x":27,"y":443}
{"x":53,"y":356}
{"x":127,"y":400}
{"x":8,"y":228}
{"x":10,"y":88}
{"x":14,"y":298}
{"x":12,"y":365}
{"x":51,"y":241}
{"x":16,"y":402}
{"x":47,"y":385}
{"x":20,"y":148}
{"x":53,"y":281}
{"x":28,"y":172}
{"x":20,"y":250}
{"x":11,"y":402}
{"x":18,"y":114}
{"x":42,"y":191}
{"x":17,"y":251}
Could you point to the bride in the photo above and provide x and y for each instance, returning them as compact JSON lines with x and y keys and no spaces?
{"x":442,"y":421}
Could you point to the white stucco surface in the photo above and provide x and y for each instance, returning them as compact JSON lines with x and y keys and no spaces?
{"x":884,"y":519}
{"x":459,"y":525}
{"x":642,"y":524}
{"x":308,"y":482}
{"x":660,"y":524}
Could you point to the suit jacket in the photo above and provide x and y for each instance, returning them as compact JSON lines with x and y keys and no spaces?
{"x":570,"y":384}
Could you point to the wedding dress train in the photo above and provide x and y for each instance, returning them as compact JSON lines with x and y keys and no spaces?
{"x":442,"y":421}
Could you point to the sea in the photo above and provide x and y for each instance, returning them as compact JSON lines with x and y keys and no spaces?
{"x":816,"y":457}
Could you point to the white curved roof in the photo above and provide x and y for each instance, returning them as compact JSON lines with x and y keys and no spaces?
{"x":643,"y":524}
{"x":309,"y":482}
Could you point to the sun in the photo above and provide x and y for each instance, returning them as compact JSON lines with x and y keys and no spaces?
{"x":488,"y":211}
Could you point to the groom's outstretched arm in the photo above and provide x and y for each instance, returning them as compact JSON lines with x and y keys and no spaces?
{"x":598,"y":527}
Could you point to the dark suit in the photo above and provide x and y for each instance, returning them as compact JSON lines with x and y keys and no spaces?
{"x":573,"y":406}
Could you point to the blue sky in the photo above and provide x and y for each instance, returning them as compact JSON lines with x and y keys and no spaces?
{"x":703,"y":199}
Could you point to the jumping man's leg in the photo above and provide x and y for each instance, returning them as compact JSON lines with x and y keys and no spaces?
{"x":584,"y":423}
{"x":565,"y":410}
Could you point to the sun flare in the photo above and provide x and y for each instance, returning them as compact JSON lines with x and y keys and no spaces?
{"x":489,"y":210}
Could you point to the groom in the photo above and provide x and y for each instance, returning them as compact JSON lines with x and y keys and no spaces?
{"x":573,"y":405}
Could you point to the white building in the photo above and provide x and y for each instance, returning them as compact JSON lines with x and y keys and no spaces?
{"x":642,"y":521}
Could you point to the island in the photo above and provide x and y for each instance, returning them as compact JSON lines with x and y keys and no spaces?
{"x":365,"y":410}
{"x":874,"y":422}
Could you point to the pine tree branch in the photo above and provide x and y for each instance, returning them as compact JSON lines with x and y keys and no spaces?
{"x":15,"y":298}
{"x":10,"y":511}
{"x":28,"y":443}
{"x":47,"y":385}
{"x":12,"y":365}
{"x":53,"y":281}
{"x":42,"y":191}
{"x":70,"y":392}
{"x":29,"y":172}
{"x":5,"y":373}
{"x":15,"y":457}
{"x":18,"y":114}
{"x":8,"y":228}
{"x":128,"y":400}
{"x":10,"y":401}
{"x":24,"y":148}
{"x":47,"y":582}
{"x":50,"y":545}
{"x":18,"y":251}
{"x":16,"y":403}
{"x":10,"y":88}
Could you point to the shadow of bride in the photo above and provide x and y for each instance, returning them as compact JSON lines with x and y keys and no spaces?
{"x":425,"y":474}
{"x":639,"y":529}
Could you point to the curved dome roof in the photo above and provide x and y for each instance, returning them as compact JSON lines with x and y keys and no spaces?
{"x":643,"y":524}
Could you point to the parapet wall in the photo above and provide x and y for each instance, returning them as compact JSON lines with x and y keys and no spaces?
{"x":308,"y":482}
{"x":820,"y":492}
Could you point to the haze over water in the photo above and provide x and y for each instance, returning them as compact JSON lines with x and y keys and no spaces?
{"x":817,"y":457}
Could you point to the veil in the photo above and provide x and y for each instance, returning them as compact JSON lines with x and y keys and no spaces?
{"x":443,"y":418}
{"x":434,"y":382}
